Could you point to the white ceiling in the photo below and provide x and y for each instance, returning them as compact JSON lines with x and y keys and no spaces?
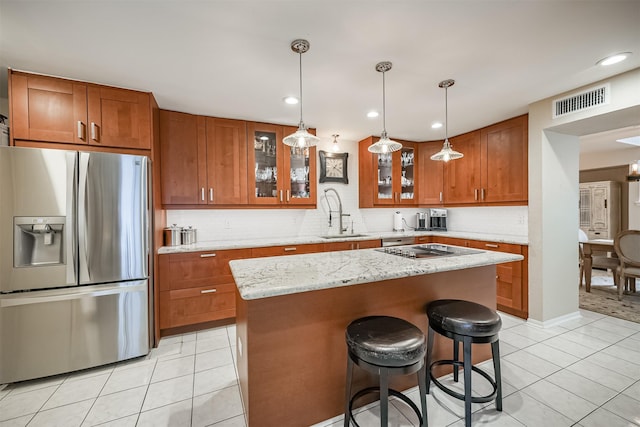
{"x":232,"y":58}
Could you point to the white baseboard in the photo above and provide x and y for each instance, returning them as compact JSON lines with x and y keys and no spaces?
{"x":557,"y":321}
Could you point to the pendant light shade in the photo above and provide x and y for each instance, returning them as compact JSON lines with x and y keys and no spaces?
{"x":447,"y":153}
{"x":384,"y":144}
{"x":300,"y":138}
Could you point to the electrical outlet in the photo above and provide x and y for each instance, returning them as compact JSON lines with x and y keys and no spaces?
{"x":227,"y":224}
{"x":520,"y":219}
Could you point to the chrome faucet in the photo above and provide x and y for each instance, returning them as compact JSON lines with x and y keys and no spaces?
{"x":340,"y":214}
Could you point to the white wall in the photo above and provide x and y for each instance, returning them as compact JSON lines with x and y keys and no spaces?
{"x":233,"y":224}
{"x":553,"y":193}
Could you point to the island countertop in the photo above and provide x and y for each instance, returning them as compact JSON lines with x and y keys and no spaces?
{"x":282,"y":275}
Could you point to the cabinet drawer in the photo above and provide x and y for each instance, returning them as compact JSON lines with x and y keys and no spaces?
{"x":350,"y":246}
{"x":286,"y":250}
{"x":196,"y":305}
{"x":197,"y":269}
{"x":496,"y":246}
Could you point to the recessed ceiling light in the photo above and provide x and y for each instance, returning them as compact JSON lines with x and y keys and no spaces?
{"x":633,"y":140}
{"x":291,"y":100}
{"x":614,"y":59}
{"x":436,"y":125}
{"x":372,"y":114}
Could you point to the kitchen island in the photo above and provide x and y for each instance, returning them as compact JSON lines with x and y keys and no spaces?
{"x":292,"y":312}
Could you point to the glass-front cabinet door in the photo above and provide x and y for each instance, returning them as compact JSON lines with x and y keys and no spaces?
{"x":385,"y":194}
{"x":407,"y":178}
{"x":265,"y":145}
{"x":397,"y":177}
{"x":299,"y":172}
{"x":300,"y":166}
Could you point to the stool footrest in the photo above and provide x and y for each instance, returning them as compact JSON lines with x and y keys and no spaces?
{"x":474,"y":399}
{"x":392,"y":392}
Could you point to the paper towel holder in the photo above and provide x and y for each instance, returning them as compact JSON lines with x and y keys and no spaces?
{"x":397,"y":221}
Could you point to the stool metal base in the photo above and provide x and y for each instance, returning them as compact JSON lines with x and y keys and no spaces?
{"x":474,"y":399}
{"x":384,"y":373}
{"x":468,"y":367}
{"x":391,"y":392}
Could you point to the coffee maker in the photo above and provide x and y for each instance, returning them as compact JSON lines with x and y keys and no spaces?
{"x":437,"y":219}
{"x":421,"y":221}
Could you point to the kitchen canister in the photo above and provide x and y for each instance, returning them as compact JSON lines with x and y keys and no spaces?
{"x":188,"y":235}
{"x":172,"y":235}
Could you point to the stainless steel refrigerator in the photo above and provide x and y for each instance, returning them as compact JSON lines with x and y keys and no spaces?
{"x":74,"y":260}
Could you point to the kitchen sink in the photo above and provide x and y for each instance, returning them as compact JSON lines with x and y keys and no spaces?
{"x":342,"y":236}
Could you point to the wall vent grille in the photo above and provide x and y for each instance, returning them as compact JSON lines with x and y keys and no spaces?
{"x":590,"y":98}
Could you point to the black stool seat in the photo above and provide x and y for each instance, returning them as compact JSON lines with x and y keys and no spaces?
{"x":385,"y":346}
{"x":463,"y":318}
{"x":386,"y":341}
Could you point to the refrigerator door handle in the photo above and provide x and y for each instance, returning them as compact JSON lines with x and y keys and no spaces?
{"x":70,"y":234}
{"x":83,"y":262}
{"x":91,"y":291}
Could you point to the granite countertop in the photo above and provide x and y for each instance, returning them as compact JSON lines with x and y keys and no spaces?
{"x":301,"y":240}
{"x":282,"y":275}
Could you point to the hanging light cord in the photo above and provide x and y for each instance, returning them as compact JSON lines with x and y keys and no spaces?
{"x":446,"y":114}
{"x":384,"y":102}
{"x":300,"y":65}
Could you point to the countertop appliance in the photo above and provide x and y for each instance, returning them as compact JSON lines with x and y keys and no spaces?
{"x":427,"y":251}
{"x":421,"y":221}
{"x":437,"y":219}
{"x":74,"y":260}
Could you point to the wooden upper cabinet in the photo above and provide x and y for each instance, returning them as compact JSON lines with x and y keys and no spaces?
{"x":226,"y":161}
{"x":179,"y":158}
{"x":431,"y":174}
{"x":118,"y":118}
{"x":389,"y":179}
{"x":203,"y":160}
{"x":462,"y":176}
{"x":47,"y":109}
{"x":505,"y":161}
{"x":51,"y":109}
{"x":279,"y":175}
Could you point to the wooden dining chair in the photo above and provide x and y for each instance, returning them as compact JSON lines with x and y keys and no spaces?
{"x":597,"y":261}
{"x":627,"y":246}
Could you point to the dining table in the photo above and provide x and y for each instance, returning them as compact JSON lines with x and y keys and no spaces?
{"x":589,"y":247}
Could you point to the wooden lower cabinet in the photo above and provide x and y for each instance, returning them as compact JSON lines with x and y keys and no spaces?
{"x":512,"y":288}
{"x":197,"y":287}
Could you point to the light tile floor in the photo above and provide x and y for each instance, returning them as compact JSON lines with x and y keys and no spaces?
{"x":584,"y":373}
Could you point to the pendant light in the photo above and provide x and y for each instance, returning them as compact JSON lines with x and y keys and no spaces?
{"x":384,"y":144}
{"x":300,"y":138}
{"x":447,"y":153}
{"x":335,"y":148}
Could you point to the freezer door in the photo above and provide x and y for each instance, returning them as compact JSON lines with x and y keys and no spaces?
{"x":37,"y":221}
{"x":113,"y":217}
{"x":52,"y":332}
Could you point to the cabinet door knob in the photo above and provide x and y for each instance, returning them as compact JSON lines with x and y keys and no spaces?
{"x":207,"y":291}
{"x":210,"y":194}
{"x":441,"y":196}
{"x":202,"y":193}
{"x":290,"y":249}
{"x":207,"y":255}
{"x":491,"y":245}
{"x":475,"y":194}
{"x":288,"y":195}
{"x":482,"y":193}
{"x":280,"y":196}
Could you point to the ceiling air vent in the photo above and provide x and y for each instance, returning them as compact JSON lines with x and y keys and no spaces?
{"x":590,"y":98}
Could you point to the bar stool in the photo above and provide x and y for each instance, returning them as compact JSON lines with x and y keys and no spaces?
{"x":385,"y":346}
{"x":470,"y":323}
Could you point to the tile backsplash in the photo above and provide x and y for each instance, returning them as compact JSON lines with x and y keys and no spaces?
{"x":232,"y":224}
